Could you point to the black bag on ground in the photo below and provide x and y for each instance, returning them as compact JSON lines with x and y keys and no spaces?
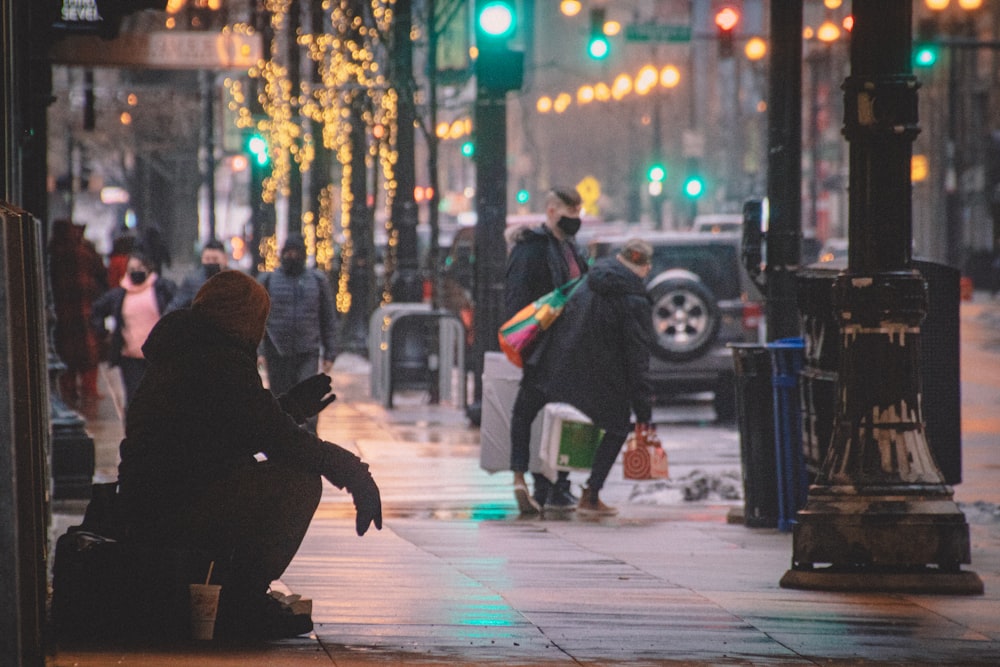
{"x":106,"y":588}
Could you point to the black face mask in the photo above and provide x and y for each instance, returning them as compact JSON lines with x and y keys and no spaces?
{"x":293,"y":265}
{"x":137,"y":277}
{"x":211,"y":269}
{"x":568,"y":226}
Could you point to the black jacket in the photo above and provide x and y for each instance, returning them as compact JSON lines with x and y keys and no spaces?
{"x":110,"y":304}
{"x":303,"y":318}
{"x":596,"y":355}
{"x":201,"y":408}
{"x":535,"y":267}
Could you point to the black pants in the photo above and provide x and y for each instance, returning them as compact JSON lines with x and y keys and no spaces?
{"x":529,"y":402}
{"x":132,"y":370}
{"x":251,"y":521}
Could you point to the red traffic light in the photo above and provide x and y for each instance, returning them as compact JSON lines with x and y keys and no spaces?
{"x":727,"y":18}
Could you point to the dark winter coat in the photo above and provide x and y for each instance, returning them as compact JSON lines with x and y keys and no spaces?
{"x":110,"y":304}
{"x":187,"y":290}
{"x":78,"y":277}
{"x":200,"y":410}
{"x":303,"y":318}
{"x":536,"y":266}
{"x":596,"y":355}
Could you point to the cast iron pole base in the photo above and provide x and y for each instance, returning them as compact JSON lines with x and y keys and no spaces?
{"x":880,"y":516}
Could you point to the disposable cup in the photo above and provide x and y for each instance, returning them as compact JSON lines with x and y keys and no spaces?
{"x":204,"y":606}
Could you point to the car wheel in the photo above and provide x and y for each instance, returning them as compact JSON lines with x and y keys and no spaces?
{"x":685,"y":318}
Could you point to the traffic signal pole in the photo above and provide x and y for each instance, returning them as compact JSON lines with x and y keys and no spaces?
{"x":498,"y":70}
{"x":491,"y":211}
{"x":879,"y":516}
{"x":784,"y":170}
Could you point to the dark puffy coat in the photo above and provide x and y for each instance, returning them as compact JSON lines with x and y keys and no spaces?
{"x":187,"y":290}
{"x":303,"y":318}
{"x":596,"y":355}
{"x":201,"y":408}
{"x":535,"y":267}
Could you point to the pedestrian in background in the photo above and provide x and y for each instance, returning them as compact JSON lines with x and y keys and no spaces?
{"x":541,"y":259}
{"x":78,"y":277}
{"x":189,"y":477}
{"x":596,"y":358}
{"x":135,"y":305}
{"x":213,"y":259}
{"x":301,"y":329}
{"x":121,"y":247}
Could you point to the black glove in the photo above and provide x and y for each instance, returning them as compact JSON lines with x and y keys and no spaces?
{"x":346,"y":471}
{"x":367,"y":503}
{"x":307,"y":398}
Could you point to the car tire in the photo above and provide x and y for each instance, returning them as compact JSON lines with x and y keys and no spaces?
{"x":685,"y":318}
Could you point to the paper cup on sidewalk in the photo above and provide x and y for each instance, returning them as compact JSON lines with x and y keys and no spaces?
{"x":204,"y":606}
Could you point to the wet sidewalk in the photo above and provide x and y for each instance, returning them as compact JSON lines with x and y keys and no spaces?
{"x":456,"y":577}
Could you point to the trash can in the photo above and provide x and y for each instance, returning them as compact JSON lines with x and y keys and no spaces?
{"x":755,"y":419}
{"x":793,"y":486}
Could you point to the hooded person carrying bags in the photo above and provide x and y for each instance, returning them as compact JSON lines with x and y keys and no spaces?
{"x":596,"y":358}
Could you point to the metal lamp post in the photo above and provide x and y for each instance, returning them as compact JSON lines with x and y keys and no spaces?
{"x":880,"y":516}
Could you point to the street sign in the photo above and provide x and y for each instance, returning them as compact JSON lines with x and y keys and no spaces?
{"x":657,"y":32}
{"x":162,"y":50}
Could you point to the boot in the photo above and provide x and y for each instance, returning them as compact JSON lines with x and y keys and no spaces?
{"x":591,"y":505}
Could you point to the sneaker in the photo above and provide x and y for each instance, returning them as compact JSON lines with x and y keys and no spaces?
{"x":259,"y":617}
{"x":560,"y":498}
{"x":542,"y":487}
{"x":591,"y":505}
{"x":525,"y":502}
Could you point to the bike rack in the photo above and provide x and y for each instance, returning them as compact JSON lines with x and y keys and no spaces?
{"x":448,"y":363}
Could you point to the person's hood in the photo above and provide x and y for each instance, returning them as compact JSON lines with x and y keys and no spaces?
{"x":609,"y":276}
{"x":235,"y":303}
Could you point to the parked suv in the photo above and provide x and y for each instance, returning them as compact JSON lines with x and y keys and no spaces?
{"x":703,"y":299}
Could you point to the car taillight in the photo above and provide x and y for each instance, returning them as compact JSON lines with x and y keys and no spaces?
{"x":753,"y":312}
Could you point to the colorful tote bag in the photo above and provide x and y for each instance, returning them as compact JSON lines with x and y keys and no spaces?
{"x":518,"y":334}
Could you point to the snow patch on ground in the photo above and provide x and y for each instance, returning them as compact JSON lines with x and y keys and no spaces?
{"x":697,"y":485}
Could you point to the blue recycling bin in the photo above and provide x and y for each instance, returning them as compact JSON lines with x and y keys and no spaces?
{"x":793,"y":485}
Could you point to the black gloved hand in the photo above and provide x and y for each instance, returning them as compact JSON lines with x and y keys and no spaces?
{"x":346,"y":471}
{"x":307,"y":398}
{"x":367,"y":502}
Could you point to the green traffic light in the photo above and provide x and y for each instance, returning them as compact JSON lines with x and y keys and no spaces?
{"x":468,"y":149}
{"x":258,"y":148}
{"x":926,"y":56}
{"x":657,"y":173}
{"x":523,"y":196}
{"x":694,"y":187}
{"x":497,"y":19}
{"x":598,"y":48}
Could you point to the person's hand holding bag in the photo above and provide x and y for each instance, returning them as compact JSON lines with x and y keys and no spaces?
{"x":307,"y":398}
{"x":346,"y":471}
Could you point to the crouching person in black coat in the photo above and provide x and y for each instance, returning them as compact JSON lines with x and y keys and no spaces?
{"x":596,"y":357}
{"x":191,"y":471}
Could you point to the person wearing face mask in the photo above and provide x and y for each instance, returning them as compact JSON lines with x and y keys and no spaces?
{"x":541,"y":259}
{"x":135,"y":305}
{"x":213,"y":259}
{"x":301,"y":328}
